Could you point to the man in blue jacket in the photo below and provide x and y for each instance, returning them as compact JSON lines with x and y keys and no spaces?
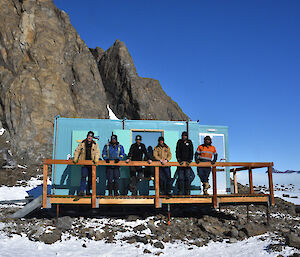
{"x":113,"y":151}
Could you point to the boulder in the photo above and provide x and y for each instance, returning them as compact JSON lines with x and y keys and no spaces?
{"x":132,"y":218}
{"x":251,"y":229}
{"x":51,"y":237}
{"x":293,"y":240}
{"x":64,"y":223}
{"x":159,"y":244}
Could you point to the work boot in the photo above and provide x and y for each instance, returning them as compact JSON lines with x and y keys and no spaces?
{"x":206,"y":186}
{"x":116,"y":189}
{"x":140,"y":176}
{"x":187,"y":190}
{"x":132,"y":186}
{"x":134,"y":192}
{"x":180,"y":188}
{"x":161,"y":187}
{"x":81,"y":193}
{"x":169,"y":192}
{"x":110,"y":188}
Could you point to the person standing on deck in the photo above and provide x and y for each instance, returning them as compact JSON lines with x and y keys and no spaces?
{"x":88,"y":149}
{"x":184,"y":153}
{"x":204,"y":153}
{"x":163,"y":154}
{"x":136,"y":153}
{"x":113,"y":151}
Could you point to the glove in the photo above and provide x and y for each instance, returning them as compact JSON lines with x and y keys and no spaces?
{"x":212,"y":162}
{"x":117,"y":160}
{"x":75,"y":161}
{"x":107,"y":161}
{"x":197,"y":161}
{"x":94,"y":161}
{"x":188,"y":163}
{"x":128,"y":160}
{"x":181,"y":163}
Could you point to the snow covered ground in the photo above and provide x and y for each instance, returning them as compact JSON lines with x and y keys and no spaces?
{"x":22,"y":246}
{"x":19,"y":192}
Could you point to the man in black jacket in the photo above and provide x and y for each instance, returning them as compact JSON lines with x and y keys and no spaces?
{"x":136,"y":153}
{"x":184,"y":154}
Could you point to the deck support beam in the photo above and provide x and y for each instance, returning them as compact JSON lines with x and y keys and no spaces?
{"x":45,"y":176}
{"x":94,"y":186}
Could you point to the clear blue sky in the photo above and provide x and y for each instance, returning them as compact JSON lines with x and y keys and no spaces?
{"x":234,"y":63}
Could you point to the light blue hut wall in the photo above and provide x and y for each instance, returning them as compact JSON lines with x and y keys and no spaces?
{"x":66,"y":180}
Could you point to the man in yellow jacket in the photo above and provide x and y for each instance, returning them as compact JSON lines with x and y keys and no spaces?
{"x":88,"y":149}
{"x":163,"y":154}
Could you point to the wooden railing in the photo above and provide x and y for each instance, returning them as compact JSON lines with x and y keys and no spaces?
{"x":238,"y":166}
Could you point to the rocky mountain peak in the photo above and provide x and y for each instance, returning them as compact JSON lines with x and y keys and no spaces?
{"x":46,"y":69}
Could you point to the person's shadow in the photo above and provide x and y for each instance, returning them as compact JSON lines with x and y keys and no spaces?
{"x":67,"y":180}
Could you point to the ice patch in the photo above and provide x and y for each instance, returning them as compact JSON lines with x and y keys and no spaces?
{"x":2,"y":130}
{"x":111,"y":114}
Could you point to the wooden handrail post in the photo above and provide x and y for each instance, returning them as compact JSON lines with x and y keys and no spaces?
{"x":45,"y":176}
{"x":235,"y":181}
{"x":251,"y":181}
{"x":215,"y":199}
{"x":271,"y":190}
{"x":156,"y":187}
{"x":93,"y":186}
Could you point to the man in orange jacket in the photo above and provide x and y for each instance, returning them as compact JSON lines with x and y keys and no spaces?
{"x":204,"y":153}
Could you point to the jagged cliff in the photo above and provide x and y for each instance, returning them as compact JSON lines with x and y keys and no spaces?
{"x":46,"y":69}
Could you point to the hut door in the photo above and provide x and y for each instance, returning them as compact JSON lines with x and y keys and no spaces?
{"x":218,"y":141}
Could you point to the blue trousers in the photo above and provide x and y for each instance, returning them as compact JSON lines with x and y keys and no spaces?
{"x":165,"y":178}
{"x":86,"y":171}
{"x":112,"y":174}
{"x":203,"y":173}
{"x":184,"y":174}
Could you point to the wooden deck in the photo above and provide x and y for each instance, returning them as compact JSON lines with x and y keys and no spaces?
{"x":146,"y":200}
{"x":158,"y":200}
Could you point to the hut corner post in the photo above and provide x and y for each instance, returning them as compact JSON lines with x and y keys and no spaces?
{"x":250,"y":181}
{"x":271,"y":189}
{"x":45,"y":175}
{"x":157,"y":205}
{"x":235,"y":181}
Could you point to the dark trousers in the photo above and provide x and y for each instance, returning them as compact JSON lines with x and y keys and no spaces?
{"x":165,"y":179}
{"x":184,"y":179}
{"x":203,"y":173}
{"x":113,"y":177}
{"x":136,"y":173}
{"x":112,"y":174}
{"x":86,"y":171}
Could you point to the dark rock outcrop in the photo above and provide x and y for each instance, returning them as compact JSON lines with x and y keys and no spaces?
{"x":46,"y":69}
{"x":132,"y":96}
